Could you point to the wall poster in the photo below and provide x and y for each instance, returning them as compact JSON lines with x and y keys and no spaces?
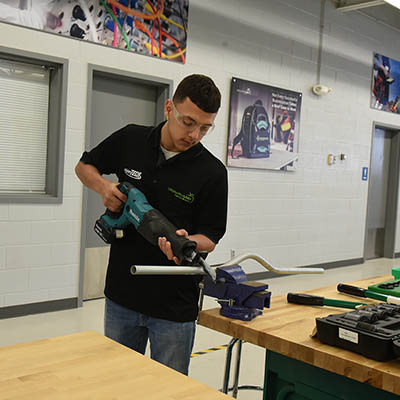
{"x":385,"y":93}
{"x":264,"y":125}
{"x":156,"y":28}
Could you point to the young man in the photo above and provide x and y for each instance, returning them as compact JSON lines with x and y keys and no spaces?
{"x":184,"y":181}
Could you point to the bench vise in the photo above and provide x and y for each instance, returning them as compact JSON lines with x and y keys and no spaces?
{"x":238,"y":297}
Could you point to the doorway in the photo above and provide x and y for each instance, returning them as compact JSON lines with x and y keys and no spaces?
{"x":115,"y":99}
{"x":382,"y":193}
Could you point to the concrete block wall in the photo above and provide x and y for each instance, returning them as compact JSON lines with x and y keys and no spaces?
{"x":313,"y":215}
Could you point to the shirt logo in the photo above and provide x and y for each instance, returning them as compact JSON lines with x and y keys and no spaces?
{"x":133,"y":174}
{"x":188,"y":198}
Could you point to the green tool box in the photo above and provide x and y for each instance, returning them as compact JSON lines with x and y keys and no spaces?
{"x":389,"y":288}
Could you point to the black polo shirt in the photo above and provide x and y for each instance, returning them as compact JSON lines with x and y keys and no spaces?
{"x":190,"y":189}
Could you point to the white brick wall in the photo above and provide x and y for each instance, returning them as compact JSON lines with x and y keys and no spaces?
{"x":4,"y":212}
{"x":28,"y":256}
{"x":2,"y":257}
{"x":27,"y":212}
{"x":313,"y":215}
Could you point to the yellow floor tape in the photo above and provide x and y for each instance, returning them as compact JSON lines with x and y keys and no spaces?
{"x":212,"y":349}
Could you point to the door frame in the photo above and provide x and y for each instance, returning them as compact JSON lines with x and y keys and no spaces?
{"x":392,"y":195}
{"x":164,"y":91}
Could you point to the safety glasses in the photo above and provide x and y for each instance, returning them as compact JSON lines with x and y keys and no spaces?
{"x":189,"y":124}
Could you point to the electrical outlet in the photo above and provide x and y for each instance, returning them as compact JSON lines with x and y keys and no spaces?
{"x":331,"y":159}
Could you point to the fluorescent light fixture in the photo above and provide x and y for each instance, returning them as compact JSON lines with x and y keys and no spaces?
{"x":394,"y":3}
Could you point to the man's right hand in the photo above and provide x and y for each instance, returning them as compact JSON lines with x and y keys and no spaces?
{"x":90,"y":176}
{"x":112,"y":198}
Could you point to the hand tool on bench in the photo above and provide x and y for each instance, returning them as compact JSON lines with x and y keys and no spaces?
{"x":388,"y":288}
{"x":151,"y":224}
{"x":311,"y":300}
{"x":361,"y":292}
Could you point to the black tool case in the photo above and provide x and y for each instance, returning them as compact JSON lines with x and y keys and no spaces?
{"x":373,"y":331}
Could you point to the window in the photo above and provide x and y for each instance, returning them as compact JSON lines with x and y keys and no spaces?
{"x":32,"y":125}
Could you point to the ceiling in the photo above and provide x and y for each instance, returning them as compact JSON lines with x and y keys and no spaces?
{"x":376,"y":9}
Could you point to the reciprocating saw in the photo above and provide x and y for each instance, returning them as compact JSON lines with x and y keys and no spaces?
{"x":151,"y":224}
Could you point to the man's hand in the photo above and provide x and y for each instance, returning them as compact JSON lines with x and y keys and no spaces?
{"x":112,"y":198}
{"x":90,"y":176}
{"x":166,"y":248}
{"x":203,"y":244}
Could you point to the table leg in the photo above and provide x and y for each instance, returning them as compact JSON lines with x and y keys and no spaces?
{"x":225,"y":383}
{"x":237,"y":370}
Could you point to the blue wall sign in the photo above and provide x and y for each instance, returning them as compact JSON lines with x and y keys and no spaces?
{"x":365,"y":173}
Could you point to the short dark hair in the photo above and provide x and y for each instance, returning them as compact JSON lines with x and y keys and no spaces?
{"x":201,"y":90}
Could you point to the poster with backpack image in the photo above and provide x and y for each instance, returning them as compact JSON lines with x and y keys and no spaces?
{"x":264,"y":124}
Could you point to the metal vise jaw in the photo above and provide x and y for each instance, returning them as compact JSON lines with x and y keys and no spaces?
{"x":239,"y":298}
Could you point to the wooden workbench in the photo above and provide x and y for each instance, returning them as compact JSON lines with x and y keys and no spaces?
{"x":90,"y":366}
{"x":286,"y":328}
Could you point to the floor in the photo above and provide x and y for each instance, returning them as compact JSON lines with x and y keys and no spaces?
{"x":207,"y":368}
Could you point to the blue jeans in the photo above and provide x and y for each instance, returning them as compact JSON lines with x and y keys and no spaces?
{"x":171,"y":343}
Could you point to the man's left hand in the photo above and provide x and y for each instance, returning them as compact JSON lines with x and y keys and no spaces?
{"x":166,"y":248}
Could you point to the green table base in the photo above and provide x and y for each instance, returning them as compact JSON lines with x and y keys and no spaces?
{"x":290,"y":379}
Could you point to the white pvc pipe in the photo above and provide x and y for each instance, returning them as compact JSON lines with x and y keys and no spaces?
{"x":165,"y":270}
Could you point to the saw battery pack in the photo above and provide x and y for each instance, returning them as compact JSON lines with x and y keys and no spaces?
{"x":373,"y":331}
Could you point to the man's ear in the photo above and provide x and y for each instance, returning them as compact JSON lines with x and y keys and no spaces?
{"x":168,"y":105}
{"x":167,"y":108}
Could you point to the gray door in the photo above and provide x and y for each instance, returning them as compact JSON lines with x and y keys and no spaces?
{"x":115,"y":102}
{"x":382,"y":195}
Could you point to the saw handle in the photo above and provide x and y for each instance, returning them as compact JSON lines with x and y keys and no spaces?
{"x":112,"y":214}
{"x":124,"y":188}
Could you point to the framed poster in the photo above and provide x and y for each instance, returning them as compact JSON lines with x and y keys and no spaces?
{"x":264,"y":124}
{"x":385,"y":93}
{"x":153,"y":27}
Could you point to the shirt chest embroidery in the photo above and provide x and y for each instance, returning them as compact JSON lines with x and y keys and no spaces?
{"x":188,"y":198}
{"x":133,"y":174}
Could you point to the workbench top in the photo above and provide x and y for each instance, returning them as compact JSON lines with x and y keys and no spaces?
{"x":90,"y":366}
{"x":287,"y":328}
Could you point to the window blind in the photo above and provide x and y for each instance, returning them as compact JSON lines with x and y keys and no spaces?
{"x":24,"y":106}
